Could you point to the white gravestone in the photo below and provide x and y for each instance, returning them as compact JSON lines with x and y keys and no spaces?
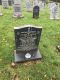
{"x":53,"y":10}
{"x":5,"y":4}
{"x":28,"y":5}
{"x":17,"y":8}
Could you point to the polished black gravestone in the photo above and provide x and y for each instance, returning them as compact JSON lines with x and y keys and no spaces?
{"x":0,"y":2}
{"x":27,"y":40}
{"x":36,"y":11}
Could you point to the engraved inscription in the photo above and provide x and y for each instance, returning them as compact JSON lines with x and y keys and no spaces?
{"x":17,"y":8}
{"x":27,"y":40}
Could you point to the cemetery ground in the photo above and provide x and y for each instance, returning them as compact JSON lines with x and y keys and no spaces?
{"x":46,"y":69}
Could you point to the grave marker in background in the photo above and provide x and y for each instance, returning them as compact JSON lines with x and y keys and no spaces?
{"x":28,"y":5}
{"x":17,"y":8}
{"x":5,"y":4}
{"x":53,"y":10}
{"x":27,"y":40}
{"x":0,"y":2}
{"x":36,"y":11}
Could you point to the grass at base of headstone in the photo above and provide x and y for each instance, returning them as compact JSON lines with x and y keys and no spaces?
{"x":49,"y":67}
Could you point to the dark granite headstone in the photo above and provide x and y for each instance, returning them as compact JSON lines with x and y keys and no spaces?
{"x":36,"y":11}
{"x":27,"y":40}
{"x":0,"y":2}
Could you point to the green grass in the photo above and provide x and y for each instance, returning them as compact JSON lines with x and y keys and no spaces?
{"x":49,"y":67}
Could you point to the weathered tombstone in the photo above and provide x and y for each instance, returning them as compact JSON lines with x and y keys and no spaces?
{"x":54,"y":10}
{"x":17,"y":9}
{"x":5,"y":4}
{"x":36,"y":11}
{"x":27,"y":40}
{"x":28,"y":5}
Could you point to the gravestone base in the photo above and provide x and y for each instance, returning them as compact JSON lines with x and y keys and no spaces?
{"x":54,"y":18}
{"x":6,"y":7}
{"x":14,"y":16}
{"x":18,"y":15}
{"x":1,"y":14}
{"x":20,"y":57}
{"x":29,"y":10}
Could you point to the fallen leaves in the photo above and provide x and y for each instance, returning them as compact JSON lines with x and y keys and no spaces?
{"x":45,"y":75}
{"x":0,"y":59}
{"x":15,"y":77}
{"x":32,"y":62}
{"x":53,"y":77}
{"x":58,"y":47}
{"x":13,"y":64}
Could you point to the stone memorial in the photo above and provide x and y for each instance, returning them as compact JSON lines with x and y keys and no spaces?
{"x":53,"y":10}
{"x":17,"y":9}
{"x":28,"y":5}
{"x":5,"y":4}
{"x":0,"y":2}
{"x":27,"y":40}
{"x":36,"y":11}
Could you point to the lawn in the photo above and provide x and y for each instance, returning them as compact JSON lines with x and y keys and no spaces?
{"x":46,"y":69}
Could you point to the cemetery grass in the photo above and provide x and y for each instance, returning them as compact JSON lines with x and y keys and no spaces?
{"x":46,"y":69}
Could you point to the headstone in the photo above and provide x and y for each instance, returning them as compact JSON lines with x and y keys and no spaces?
{"x":0,"y":2}
{"x":28,"y":5}
{"x":17,"y":9}
{"x":36,"y":11}
{"x":27,"y":40}
{"x":53,"y":10}
{"x":5,"y":4}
